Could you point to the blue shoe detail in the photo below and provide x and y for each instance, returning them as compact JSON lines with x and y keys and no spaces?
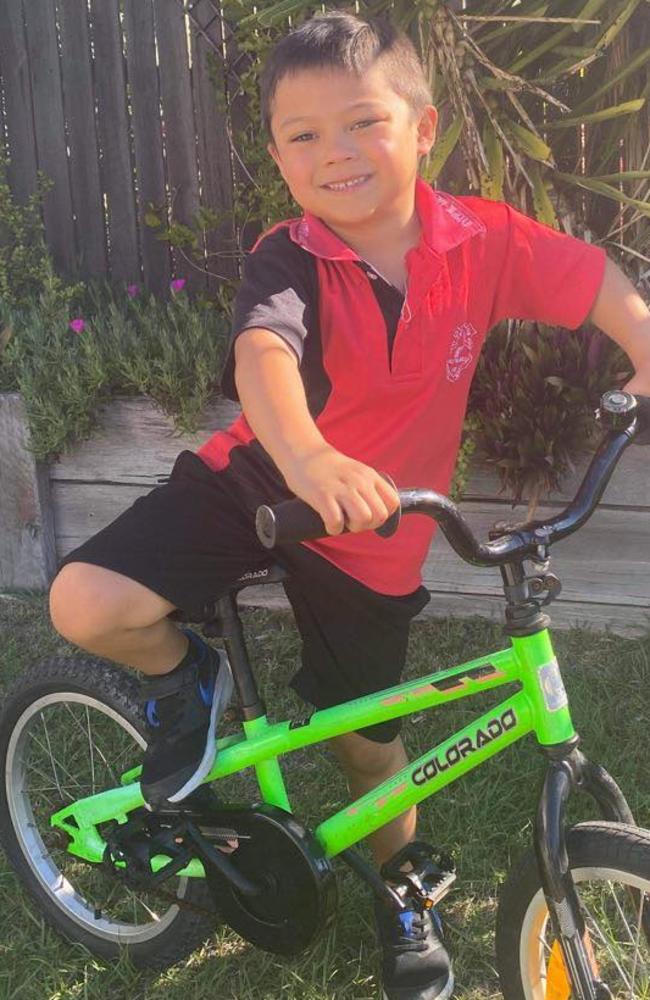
{"x":201,"y":650}
{"x":151,"y":714}
{"x":406,"y":918}
{"x":200,"y":647}
{"x":207,"y":691}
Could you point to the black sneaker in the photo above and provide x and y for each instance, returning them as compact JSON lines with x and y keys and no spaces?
{"x":182,"y":709}
{"x":415,"y":963}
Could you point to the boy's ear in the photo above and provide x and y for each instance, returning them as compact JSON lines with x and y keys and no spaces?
{"x":275,"y":156}
{"x":427,"y":127}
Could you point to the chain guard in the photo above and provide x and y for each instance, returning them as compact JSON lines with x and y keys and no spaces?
{"x":299,"y":892}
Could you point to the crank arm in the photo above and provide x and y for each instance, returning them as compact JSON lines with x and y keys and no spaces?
{"x":220,"y":861}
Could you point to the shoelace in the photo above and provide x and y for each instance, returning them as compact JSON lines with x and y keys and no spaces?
{"x":413,"y":928}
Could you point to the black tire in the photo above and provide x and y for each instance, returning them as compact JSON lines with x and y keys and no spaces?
{"x":601,"y":855}
{"x":85,"y":691}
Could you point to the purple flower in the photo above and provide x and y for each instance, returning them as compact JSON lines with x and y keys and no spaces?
{"x":133,"y":291}
{"x":177,"y":285}
{"x":77,"y":325}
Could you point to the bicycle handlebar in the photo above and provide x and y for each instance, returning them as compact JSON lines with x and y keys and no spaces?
{"x":627,"y":415}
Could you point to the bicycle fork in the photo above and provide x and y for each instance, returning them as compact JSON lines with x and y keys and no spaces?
{"x":569,"y":770}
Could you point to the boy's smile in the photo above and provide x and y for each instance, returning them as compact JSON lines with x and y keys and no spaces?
{"x":348,"y":149}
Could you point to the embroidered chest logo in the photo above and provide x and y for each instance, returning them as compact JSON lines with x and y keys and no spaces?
{"x":461,"y":352}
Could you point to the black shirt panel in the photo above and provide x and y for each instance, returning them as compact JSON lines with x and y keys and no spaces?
{"x":279,"y":292}
{"x":318,"y":385}
{"x":389,"y":300}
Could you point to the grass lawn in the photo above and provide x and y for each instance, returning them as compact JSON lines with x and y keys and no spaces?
{"x":484,"y":820}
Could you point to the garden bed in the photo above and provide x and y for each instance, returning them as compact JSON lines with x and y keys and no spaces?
{"x":48,"y":510}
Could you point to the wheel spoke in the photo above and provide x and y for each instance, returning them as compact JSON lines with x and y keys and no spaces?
{"x":92,"y":745}
{"x":596,"y":928}
{"x":92,"y":752}
{"x":47,"y":750}
{"x":621,"y":913}
{"x":638,"y":938}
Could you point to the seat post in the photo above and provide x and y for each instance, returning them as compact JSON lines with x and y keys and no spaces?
{"x":233,"y":637}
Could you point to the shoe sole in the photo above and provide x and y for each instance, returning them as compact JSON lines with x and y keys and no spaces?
{"x":408,"y":993}
{"x":219,"y":704}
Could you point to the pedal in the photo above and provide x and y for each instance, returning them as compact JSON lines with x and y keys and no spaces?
{"x":222,"y":834}
{"x":438,"y":891}
{"x":428,"y":881}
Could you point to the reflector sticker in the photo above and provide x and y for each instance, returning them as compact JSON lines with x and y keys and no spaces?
{"x":558,"y":986}
{"x":550,"y":680}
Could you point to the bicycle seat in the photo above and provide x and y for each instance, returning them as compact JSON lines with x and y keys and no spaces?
{"x":273,"y":573}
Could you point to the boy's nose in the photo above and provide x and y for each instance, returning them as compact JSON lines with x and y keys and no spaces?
{"x":340,"y":150}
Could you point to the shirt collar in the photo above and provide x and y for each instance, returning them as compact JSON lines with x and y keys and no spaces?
{"x":445,"y":222}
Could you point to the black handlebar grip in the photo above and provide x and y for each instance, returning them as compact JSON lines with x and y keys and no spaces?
{"x":295,"y":521}
{"x":289,"y":521}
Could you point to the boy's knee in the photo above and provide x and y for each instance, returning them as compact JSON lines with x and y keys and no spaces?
{"x":80,"y":610}
{"x":368,"y":757}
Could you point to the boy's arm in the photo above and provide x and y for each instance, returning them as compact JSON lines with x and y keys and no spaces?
{"x":620,"y":312}
{"x":343,"y":491}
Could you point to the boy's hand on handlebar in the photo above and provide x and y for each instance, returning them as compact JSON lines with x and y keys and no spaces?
{"x":346,"y":493}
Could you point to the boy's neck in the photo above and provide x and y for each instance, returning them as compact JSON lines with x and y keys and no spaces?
{"x":391,"y":237}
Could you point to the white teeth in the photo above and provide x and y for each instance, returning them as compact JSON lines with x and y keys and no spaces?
{"x":347,"y":184}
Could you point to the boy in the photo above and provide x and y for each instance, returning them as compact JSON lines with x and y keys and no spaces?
{"x":355,"y":336}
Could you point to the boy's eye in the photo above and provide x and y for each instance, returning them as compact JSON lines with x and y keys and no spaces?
{"x":307,"y":135}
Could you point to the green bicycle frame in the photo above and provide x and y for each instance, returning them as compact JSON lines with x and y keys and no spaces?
{"x":539,"y":705}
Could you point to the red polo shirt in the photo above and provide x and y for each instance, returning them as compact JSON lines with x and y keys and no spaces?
{"x":386,"y":376}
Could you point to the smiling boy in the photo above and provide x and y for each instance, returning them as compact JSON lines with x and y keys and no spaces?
{"x":356,"y":331}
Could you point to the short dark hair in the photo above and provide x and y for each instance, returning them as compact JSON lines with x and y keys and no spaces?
{"x":344,"y":41}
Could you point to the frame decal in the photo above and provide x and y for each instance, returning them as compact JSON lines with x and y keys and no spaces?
{"x":457,"y":752}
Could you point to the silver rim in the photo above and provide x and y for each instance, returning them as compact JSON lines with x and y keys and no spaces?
{"x":613,"y":917}
{"x":64,"y":746}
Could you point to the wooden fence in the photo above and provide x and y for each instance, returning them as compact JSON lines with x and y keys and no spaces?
{"x":46,"y":512}
{"x":116,"y":102}
{"x":125,"y":104}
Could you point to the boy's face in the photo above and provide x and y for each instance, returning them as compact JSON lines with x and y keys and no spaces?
{"x":331,"y":126}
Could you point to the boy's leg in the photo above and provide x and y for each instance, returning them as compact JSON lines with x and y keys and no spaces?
{"x":181,"y":546}
{"x":366,"y":764}
{"x":354,"y":643}
{"x":112,"y":616}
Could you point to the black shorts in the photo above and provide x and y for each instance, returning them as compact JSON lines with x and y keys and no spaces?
{"x":191,"y":539}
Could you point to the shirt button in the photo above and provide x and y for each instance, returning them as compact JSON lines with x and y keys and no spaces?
{"x":371,"y":274}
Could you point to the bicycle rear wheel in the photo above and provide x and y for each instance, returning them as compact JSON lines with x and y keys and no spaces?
{"x":610,"y":864}
{"x":68,"y":729}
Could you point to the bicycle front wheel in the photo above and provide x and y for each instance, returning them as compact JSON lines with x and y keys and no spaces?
{"x":68,"y":728}
{"x":610,"y":864}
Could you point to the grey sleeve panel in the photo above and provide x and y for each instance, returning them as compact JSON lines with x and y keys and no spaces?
{"x":278,"y":292}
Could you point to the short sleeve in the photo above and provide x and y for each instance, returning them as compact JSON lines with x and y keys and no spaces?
{"x":277,"y":293}
{"x":542,"y":274}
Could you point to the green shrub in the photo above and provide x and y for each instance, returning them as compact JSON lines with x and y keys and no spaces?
{"x":533,"y":399}
{"x":170,"y":351}
{"x":26,"y":270}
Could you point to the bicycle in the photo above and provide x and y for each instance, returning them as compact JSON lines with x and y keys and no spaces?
{"x":271,"y":879}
